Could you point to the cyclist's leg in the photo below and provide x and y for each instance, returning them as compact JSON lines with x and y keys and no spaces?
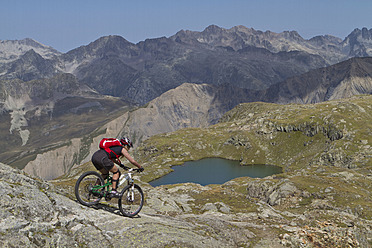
{"x":104,"y":173}
{"x":99,"y":160}
{"x":108,"y":165}
{"x":115,"y":177}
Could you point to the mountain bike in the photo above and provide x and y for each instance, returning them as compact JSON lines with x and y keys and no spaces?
{"x":90,"y":188}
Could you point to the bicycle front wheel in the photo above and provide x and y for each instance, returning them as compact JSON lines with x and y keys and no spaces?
{"x":131,"y":200}
{"x":88,"y":190}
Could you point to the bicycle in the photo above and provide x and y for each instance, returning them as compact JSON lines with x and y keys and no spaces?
{"x":90,"y":188}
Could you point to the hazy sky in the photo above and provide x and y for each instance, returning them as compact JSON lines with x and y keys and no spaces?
{"x":68,"y":24}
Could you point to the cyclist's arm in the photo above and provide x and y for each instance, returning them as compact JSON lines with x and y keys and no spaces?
{"x":129,"y":157}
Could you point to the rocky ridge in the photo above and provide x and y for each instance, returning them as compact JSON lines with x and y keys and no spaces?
{"x":29,"y":66}
{"x":240,"y":37}
{"x":356,"y":44}
{"x":145,"y":70}
{"x":342,"y":80}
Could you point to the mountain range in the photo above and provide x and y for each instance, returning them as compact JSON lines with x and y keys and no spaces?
{"x":56,"y":105}
{"x":240,"y":56}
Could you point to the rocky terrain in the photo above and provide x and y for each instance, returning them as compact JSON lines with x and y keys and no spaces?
{"x":322,"y":198}
{"x":36,"y":213}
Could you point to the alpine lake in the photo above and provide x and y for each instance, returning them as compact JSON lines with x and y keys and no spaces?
{"x":214,"y":171}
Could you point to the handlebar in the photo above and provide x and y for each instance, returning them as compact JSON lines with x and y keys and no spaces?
{"x":124,"y":167}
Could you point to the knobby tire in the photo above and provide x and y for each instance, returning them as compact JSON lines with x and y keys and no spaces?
{"x":131,"y":207}
{"x":84,"y":185}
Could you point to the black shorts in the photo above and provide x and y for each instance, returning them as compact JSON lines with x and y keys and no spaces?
{"x":100,"y":160}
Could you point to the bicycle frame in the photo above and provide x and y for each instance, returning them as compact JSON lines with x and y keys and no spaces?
{"x":127,"y":177}
{"x":96,"y":189}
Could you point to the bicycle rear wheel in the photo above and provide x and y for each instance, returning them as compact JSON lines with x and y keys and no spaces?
{"x":131,"y":200}
{"x":86,"y":191}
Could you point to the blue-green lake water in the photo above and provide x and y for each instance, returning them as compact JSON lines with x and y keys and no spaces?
{"x":214,"y":171}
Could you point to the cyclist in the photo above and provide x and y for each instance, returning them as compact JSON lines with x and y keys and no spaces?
{"x":104,"y":162}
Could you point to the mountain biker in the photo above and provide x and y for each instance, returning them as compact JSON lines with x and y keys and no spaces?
{"x":104,"y":162}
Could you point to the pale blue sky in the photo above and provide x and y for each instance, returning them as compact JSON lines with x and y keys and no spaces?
{"x":68,"y":24}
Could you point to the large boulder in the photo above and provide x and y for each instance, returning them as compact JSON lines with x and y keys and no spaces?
{"x":271,"y":192}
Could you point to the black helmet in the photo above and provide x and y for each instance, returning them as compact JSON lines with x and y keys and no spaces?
{"x":126,"y":142}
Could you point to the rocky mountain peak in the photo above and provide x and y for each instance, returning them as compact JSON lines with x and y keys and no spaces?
{"x":153,"y":45}
{"x":363,"y":33}
{"x":322,"y":40}
{"x":112,"y":45}
{"x":367,"y":34}
{"x":11,"y":50}
{"x":244,"y":29}
{"x":213,"y":29}
{"x":358,"y":43}
{"x":30,"y":56}
{"x":293,"y":35}
{"x":30,"y":65}
{"x":110,"y":42}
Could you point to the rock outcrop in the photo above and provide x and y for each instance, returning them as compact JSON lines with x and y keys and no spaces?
{"x":271,"y":192}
